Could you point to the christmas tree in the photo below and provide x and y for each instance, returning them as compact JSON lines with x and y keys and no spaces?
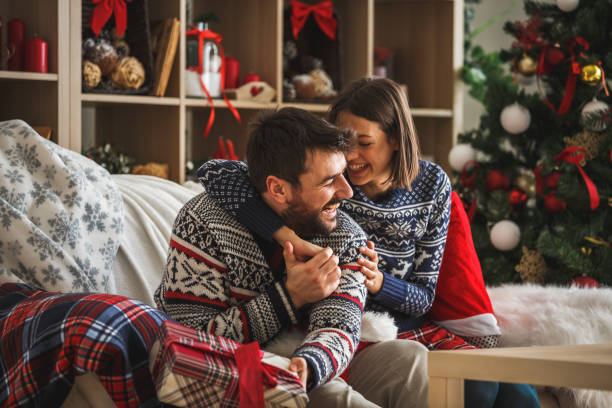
{"x":536,"y":175}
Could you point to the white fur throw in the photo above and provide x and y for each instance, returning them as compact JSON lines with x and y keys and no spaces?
{"x":536,"y":315}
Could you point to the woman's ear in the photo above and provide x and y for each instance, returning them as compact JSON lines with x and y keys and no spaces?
{"x":278,"y":189}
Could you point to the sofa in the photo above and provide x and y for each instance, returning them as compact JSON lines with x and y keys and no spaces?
{"x":128,"y":255}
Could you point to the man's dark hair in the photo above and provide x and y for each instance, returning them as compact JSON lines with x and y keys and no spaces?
{"x":279,"y":142}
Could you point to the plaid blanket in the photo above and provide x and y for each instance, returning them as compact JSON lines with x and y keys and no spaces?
{"x":49,"y":338}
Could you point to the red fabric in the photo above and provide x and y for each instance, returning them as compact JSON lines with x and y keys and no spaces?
{"x":460,"y":292}
{"x":104,"y":10}
{"x":574,"y":155}
{"x":323,"y":14}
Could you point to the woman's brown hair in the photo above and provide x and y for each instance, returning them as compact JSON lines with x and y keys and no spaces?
{"x":383,"y":101}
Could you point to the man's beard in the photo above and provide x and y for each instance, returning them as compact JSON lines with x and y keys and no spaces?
{"x":305,"y":222}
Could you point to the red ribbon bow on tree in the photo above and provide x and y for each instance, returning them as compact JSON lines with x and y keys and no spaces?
{"x":574,"y":155}
{"x":323,"y":14}
{"x":570,"y":84}
{"x":104,"y":10}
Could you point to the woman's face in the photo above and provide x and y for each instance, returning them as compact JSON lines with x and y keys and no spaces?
{"x":369,"y":165}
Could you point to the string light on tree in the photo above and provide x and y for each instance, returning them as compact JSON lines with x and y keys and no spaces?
{"x":515,"y":118}
{"x":594,"y":114}
{"x":568,"y":5}
{"x":505,"y":235}
{"x":460,"y":154}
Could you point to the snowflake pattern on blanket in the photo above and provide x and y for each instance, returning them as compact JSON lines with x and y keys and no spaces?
{"x":61,"y":215}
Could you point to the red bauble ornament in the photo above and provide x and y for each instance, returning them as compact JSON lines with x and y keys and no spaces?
{"x":552,"y":180}
{"x":250,"y":77}
{"x":554,"y":56}
{"x":553,"y":204}
{"x":584,"y":282}
{"x":518,"y":198}
{"x":497,"y":180}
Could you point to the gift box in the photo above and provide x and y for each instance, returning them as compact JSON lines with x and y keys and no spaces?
{"x":194,"y":368}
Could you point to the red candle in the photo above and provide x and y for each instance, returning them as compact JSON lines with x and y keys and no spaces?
{"x":232,"y":72}
{"x":36,"y":55}
{"x":15,"y":40}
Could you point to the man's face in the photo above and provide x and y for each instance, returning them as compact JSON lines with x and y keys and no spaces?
{"x":312,"y":206}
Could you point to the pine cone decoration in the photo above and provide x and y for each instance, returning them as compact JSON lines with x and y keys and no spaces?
{"x":588,"y":140}
{"x":532,"y":267}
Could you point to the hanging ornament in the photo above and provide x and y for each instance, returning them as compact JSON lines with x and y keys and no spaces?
{"x":505,"y":235}
{"x":532,"y":267}
{"x":527,"y":65}
{"x":518,"y":198}
{"x":590,"y":74}
{"x":553,"y":204}
{"x":595,"y":116}
{"x":590,"y":141}
{"x":568,"y":5}
{"x":527,"y":183}
{"x":584,"y":282}
{"x":554,"y":54}
{"x":515,"y":118}
{"x":552,"y":180}
{"x":460,"y":154}
{"x":497,"y":180}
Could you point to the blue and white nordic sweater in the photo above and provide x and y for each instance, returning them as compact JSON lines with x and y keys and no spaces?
{"x":217,"y":279}
{"x":408,"y":228}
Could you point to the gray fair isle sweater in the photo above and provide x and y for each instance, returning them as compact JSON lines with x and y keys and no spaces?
{"x":217,"y":279}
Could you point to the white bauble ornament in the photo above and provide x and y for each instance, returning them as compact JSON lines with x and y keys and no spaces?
{"x":593,"y":116}
{"x":505,"y":235}
{"x":459,"y":155}
{"x":567,"y":5}
{"x":515,"y":118}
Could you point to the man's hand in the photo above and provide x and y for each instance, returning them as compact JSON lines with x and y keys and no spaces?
{"x":302,"y":249}
{"x":300,"y":367}
{"x":369,"y":267}
{"x":311,"y":281}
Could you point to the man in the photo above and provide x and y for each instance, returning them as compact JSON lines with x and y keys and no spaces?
{"x":223,"y":279}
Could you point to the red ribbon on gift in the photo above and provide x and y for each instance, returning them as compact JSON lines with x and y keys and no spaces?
{"x":323,"y":13}
{"x":210,"y":35}
{"x":570,"y":84}
{"x":468,"y":182}
{"x":103,"y":11}
{"x":252,"y":375}
{"x":574,"y":155}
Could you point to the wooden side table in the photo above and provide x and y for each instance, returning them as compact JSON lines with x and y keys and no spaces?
{"x":577,"y":366}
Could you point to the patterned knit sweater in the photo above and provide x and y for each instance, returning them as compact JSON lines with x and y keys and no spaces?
{"x":217,"y":279}
{"x":408,"y":228}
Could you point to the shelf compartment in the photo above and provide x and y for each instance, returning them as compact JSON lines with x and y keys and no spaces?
{"x":434,"y":142}
{"x":95,"y":98}
{"x":220,"y":104}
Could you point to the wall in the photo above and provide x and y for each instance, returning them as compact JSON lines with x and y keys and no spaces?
{"x":491,"y":39}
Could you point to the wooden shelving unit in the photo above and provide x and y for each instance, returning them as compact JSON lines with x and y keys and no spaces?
{"x":38,"y":98}
{"x":426,"y":35}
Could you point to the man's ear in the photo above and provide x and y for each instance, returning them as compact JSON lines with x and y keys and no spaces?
{"x":278,"y":189}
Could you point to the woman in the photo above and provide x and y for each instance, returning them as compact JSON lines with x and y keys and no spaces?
{"x":403,"y":205}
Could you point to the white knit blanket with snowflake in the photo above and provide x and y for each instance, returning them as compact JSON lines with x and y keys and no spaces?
{"x":61,"y":215}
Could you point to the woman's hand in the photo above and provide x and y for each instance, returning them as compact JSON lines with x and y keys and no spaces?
{"x":369,"y":267}
{"x":302,"y":249}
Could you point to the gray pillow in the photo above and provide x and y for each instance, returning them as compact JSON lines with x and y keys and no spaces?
{"x":61,"y":215}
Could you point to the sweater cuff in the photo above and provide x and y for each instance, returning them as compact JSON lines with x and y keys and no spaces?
{"x":391,"y":292}
{"x":317,"y":362}
{"x":260,"y":218}
{"x":283,"y":306}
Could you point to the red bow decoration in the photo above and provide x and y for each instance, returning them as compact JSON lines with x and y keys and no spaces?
{"x":104,"y":10}
{"x":253,"y":375}
{"x":574,"y":155}
{"x":570,"y":84}
{"x":323,"y":14}
{"x":210,"y":35}
{"x":468,"y":182}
